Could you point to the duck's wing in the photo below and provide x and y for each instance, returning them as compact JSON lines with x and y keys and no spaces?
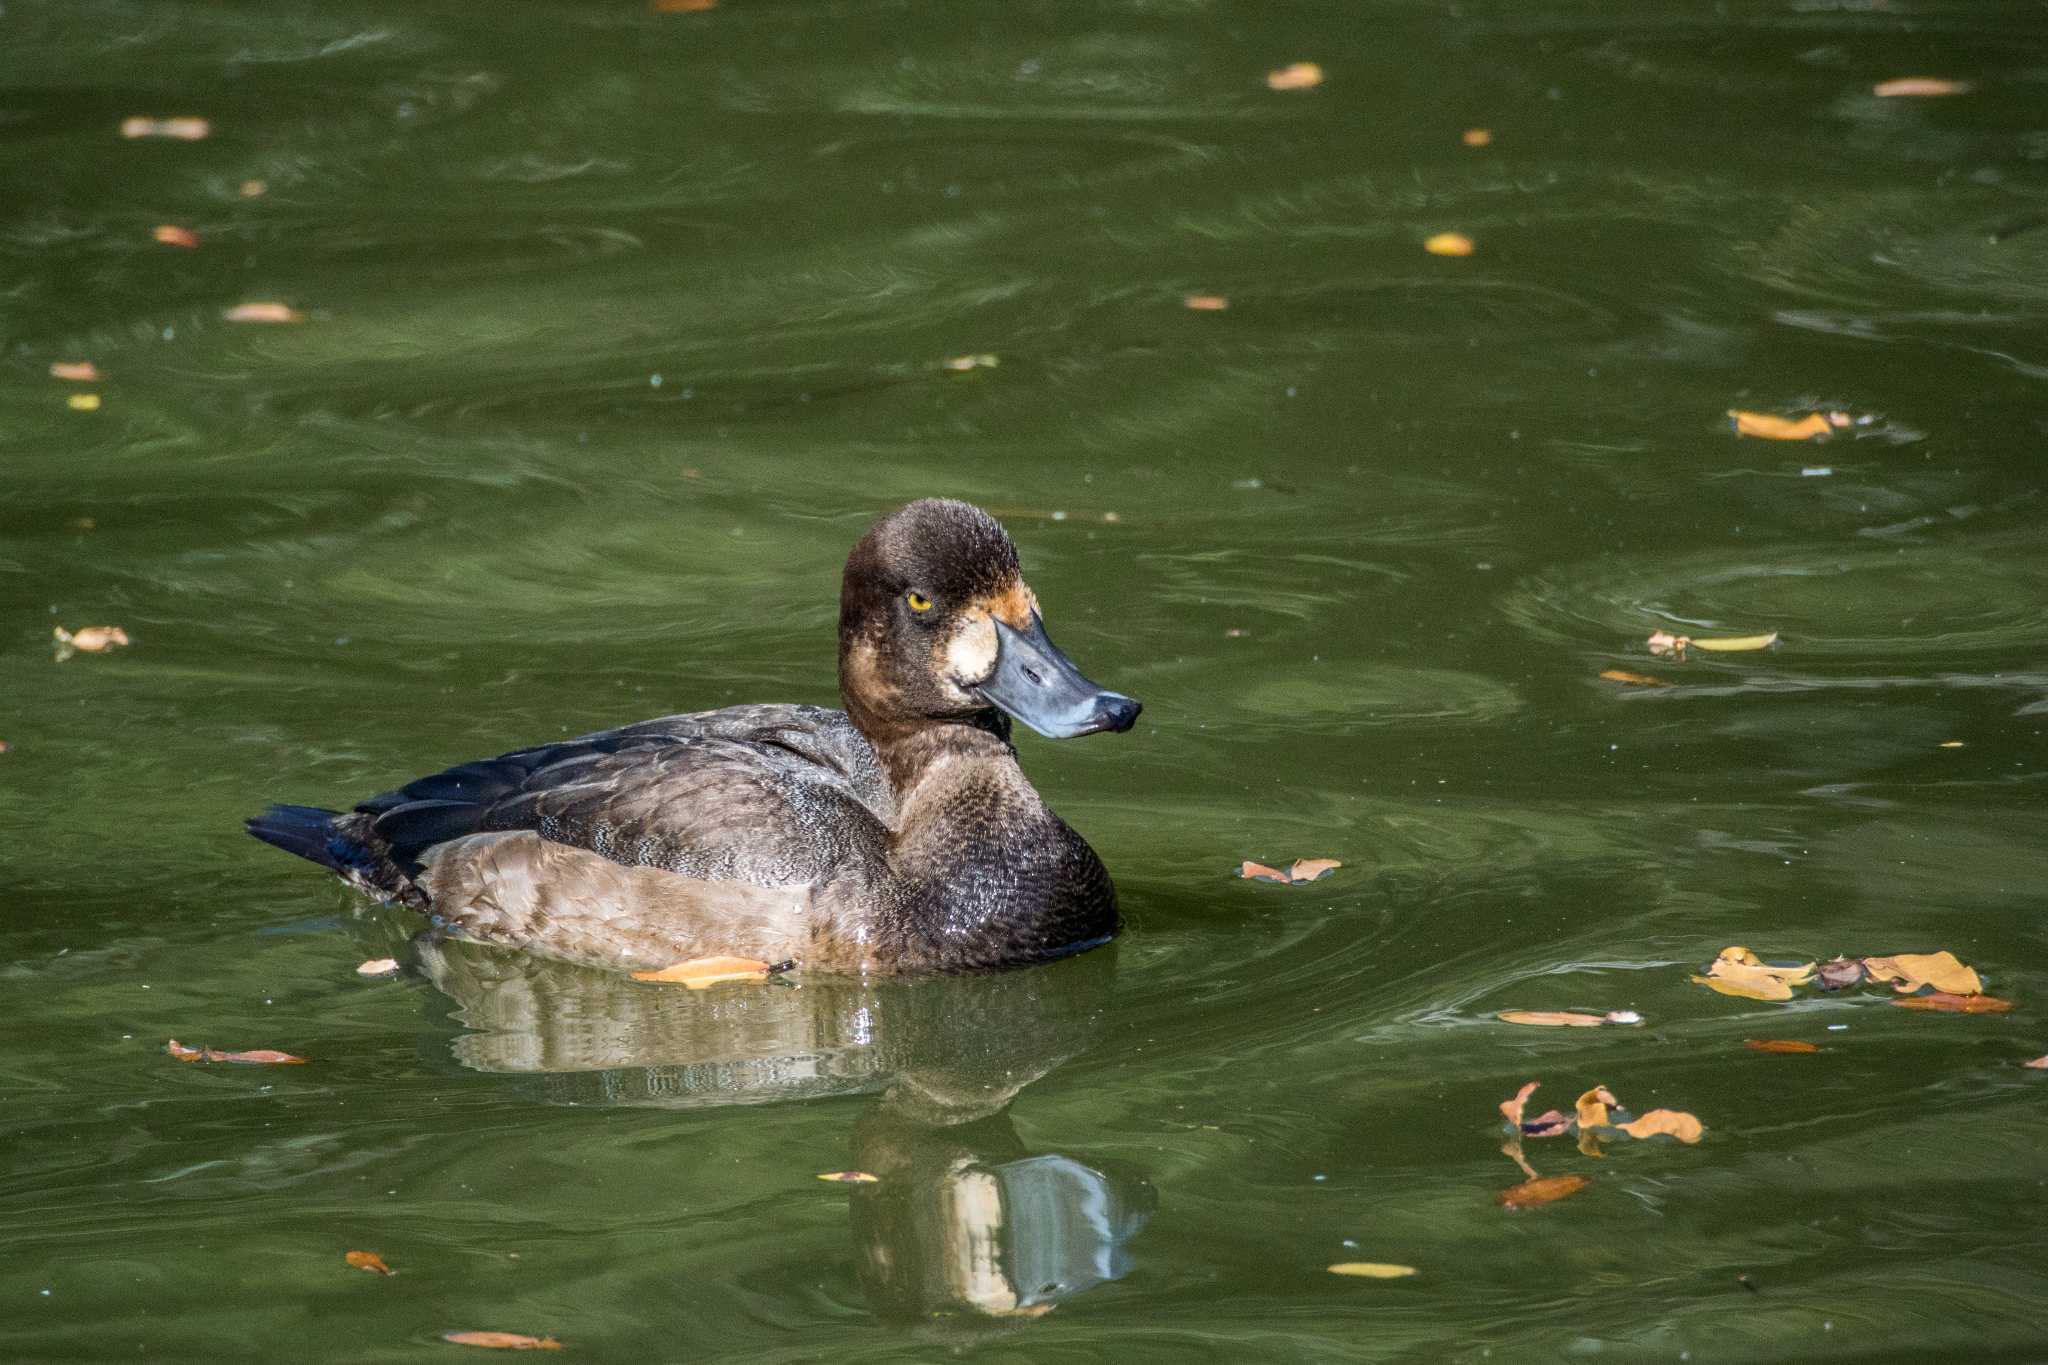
{"x":768,"y":795}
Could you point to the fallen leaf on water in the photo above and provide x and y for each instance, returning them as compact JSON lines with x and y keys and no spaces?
{"x":2039,"y":1063}
{"x":1592,"y":1107}
{"x":1542,"y":1190}
{"x":178,"y":129}
{"x":1295,"y":76}
{"x":1511,"y":1110}
{"x":83,"y":370}
{"x":1951,"y":744}
{"x":1908,"y":972}
{"x":1778,"y":1045}
{"x":700,"y":972}
{"x":1921,"y":86}
{"x":1734,"y":644}
{"x":503,"y":1341}
{"x":1450,"y":244}
{"x":1839,"y":973}
{"x":264,"y":312}
{"x":1300,"y":870}
{"x":377,"y":966}
{"x":82,"y":402}
{"x":1476,"y":137}
{"x":1954,"y":1004}
{"x":1665,"y":645}
{"x":368,"y":1260}
{"x":1205,"y":303}
{"x":88,"y":640}
{"x":960,"y":364}
{"x":1372,"y":1270}
{"x":252,"y":189}
{"x":172,"y":235}
{"x":850,"y":1177}
{"x":1664,"y":1122}
{"x":683,"y":6}
{"x":261,"y":1056}
{"x":1738,"y":971}
{"x":1771,"y":427}
{"x":1550,"y":1123}
{"x":1622,"y":675}
{"x":1567,"y":1018}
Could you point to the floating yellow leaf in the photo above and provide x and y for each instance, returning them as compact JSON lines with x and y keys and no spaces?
{"x":1372,"y":1270}
{"x":368,"y":1260}
{"x":503,"y":1341}
{"x":699,"y":972}
{"x":1954,"y":1004}
{"x":1771,"y":427}
{"x":1476,"y":137}
{"x":253,"y":189}
{"x":850,"y":1177}
{"x":177,"y":129}
{"x":1738,"y":971}
{"x":1205,"y":303}
{"x":1592,"y":1107}
{"x":1552,"y":1018}
{"x":1664,"y":1122}
{"x":82,"y":402}
{"x":1450,"y":244}
{"x":1622,"y":675}
{"x":1919,"y":86}
{"x":1733,"y":644}
{"x":1542,"y":1190}
{"x":1908,"y":972}
{"x":1778,"y":1045}
{"x":1295,"y":76}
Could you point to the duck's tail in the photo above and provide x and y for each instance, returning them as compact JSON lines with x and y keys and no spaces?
{"x":307,"y":831}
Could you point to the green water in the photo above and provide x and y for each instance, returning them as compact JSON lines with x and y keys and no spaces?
{"x":620,"y":326}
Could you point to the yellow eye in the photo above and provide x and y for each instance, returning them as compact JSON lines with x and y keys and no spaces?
{"x":918,"y":601}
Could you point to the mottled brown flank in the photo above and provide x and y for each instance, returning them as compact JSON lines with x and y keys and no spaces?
{"x":898,"y":835}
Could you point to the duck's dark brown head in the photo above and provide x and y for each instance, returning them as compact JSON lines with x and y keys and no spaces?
{"x":936,"y":623}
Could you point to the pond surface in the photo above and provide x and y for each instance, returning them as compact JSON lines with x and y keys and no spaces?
{"x":619,"y":326}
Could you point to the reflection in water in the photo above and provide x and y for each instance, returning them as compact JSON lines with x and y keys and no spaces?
{"x":963,"y":1219}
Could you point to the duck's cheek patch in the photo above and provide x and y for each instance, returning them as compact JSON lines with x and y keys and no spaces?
{"x":1013,"y":606}
{"x":969,"y":655}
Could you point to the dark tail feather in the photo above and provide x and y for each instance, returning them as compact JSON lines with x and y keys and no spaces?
{"x":307,"y":831}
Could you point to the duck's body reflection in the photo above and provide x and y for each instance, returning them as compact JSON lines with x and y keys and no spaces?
{"x":963,"y":1218}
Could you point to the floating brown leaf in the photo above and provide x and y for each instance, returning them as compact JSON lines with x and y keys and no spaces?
{"x":1778,"y":1045}
{"x":261,"y":1056}
{"x":700,"y":972}
{"x":1450,"y":244}
{"x":1372,"y":1270}
{"x":1770,"y":427}
{"x":2039,"y":1063}
{"x":1622,"y":675}
{"x":1664,"y":1122}
{"x":1295,"y":76}
{"x":1476,"y":137}
{"x":172,"y":235}
{"x":1839,"y":973}
{"x":1300,"y":870}
{"x":1738,"y":971}
{"x":1542,"y":1190}
{"x":177,"y":129}
{"x":82,"y":370}
{"x":90,"y":639}
{"x":1908,"y":972}
{"x":368,"y":1260}
{"x":1550,"y":1123}
{"x":1954,"y":1004}
{"x":503,"y":1341}
{"x":253,"y":189}
{"x":1205,"y":303}
{"x":1511,"y":1110}
{"x":377,"y":966}
{"x":684,"y":6}
{"x":1592,"y":1107}
{"x":1551,"y":1018}
{"x":1921,"y":87}
{"x":264,"y":312}
{"x":850,"y":1177}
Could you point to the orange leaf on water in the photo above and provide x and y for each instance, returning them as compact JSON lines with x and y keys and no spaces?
{"x":93,"y":639}
{"x":261,"y":1056}
{"x":1622,"y":675}
{"x":377,"y":966}
{"x":172,"y":235}
{"x":1778,"y":1045}
{"x":177,"y":129}
{"x":1771,"y":427}
{"x":1310,"y":869}
{"x":1664,"y":1123}
{"x":683,"y":6}
{"x":699,"y":972}
{"x":2039,"y":1063}
{"x":1476,"y":137}
{"x":1920,"y":86}
{"x":503,"y":1341}
{"x":1295,"y":76}
{"x":1551,"y":1018}
{"x":1205,"y":303}
{"x":1450,"y":244}
{"x":368,"y":1260}
{"x":264,"y":312}
{"x":1954,"y":1004}
{"x":83,"y":370}
{"x":1511,"y":1110}
{"x":1542,"y":1190}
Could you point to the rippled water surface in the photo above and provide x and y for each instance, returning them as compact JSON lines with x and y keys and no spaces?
{"x":620,"y":325}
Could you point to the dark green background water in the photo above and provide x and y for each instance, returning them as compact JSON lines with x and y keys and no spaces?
{"x":623,"y":325}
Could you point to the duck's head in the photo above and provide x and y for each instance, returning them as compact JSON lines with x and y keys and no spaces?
{"x":937,"y":623}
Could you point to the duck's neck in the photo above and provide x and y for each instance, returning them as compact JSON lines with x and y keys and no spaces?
{"x":924,"y":759}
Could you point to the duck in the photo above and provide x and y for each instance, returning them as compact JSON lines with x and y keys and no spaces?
{"x":898,"y":835}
